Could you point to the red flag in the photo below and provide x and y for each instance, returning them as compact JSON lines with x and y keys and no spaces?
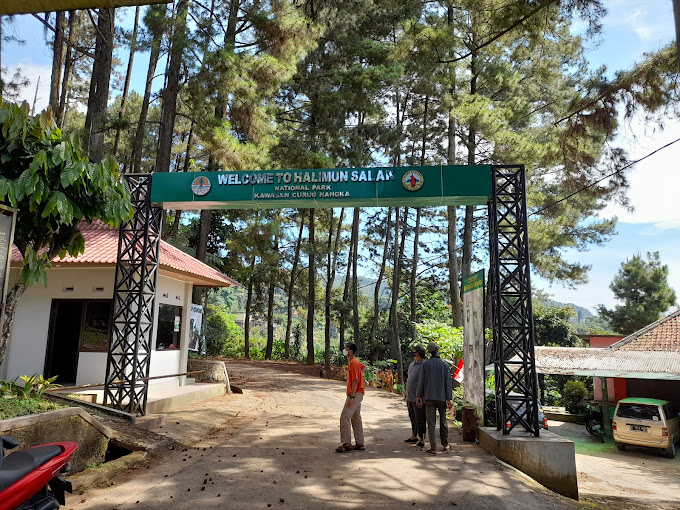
{"x":458,"y":372}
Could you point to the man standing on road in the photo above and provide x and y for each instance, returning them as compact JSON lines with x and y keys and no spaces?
{"x":415,"y":412}
{"x":350,"y":419}
{"x":435,"y":390}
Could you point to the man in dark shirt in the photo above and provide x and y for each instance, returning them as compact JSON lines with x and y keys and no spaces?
{"x":435,"y":391}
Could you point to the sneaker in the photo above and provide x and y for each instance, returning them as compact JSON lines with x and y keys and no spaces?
{"x":420,"y":444}
{"x":409,"y":440}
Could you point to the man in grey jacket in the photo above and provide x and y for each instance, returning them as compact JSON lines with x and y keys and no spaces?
{"x":415,"y":412}
{"x":435,"y":391}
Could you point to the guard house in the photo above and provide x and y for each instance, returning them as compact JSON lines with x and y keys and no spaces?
{"x":64,"y":329}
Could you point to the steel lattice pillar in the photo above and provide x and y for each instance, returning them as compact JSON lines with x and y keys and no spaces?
{"x":513,"y":328}
{"x":134,"y":298}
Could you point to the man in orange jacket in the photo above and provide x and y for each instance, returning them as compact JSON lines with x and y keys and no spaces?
{"x":350,"y":419}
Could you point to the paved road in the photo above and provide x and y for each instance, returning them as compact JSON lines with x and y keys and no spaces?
{"x":635,"y":477}
{"x":273,"y":447}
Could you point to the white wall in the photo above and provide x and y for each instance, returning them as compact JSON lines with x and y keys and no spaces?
{"x":31,"y":322}
{"x":28,"y":345}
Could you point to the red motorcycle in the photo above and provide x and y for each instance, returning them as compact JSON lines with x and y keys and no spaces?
{"x":31,"y":479}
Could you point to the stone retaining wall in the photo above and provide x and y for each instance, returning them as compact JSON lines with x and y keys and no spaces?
{"x":68,"y":424}
{"x":213,"y":371}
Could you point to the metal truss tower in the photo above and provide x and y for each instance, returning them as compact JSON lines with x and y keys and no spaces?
{"x":511,"y":311}
{"x":134,"y":299}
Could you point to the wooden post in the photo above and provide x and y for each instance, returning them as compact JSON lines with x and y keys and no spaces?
{"x":606,"y":420}
{"x":469,"y":418}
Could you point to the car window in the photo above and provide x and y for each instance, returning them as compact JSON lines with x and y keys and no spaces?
{"x":638,"y":412}
{"x":668,"y":412}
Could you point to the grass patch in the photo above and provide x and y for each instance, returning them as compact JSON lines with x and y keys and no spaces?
{"x":12,"y":407}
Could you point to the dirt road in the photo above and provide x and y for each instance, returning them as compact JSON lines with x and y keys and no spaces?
{"x":273,"y":447}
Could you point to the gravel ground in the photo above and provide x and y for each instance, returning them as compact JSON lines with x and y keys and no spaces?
{"x":273,"y":447}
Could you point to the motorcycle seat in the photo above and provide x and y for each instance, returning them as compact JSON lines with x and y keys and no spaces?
{"x":18,"y":464}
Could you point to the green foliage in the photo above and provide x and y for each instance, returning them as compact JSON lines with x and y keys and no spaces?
{"x":643,"y":288}
{"x":54,"y":187}
{"x":573,"y":395}
{"x":34,"y":386}
{"x":449,"y":338}
{"x":553,"y":328}
{"x":13,"y":407}
{"x":458,"y":394}
{"x":222,"y":334}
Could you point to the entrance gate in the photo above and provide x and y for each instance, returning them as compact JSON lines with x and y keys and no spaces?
{"x":500,"y":187}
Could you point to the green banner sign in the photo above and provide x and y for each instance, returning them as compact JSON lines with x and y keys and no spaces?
{"x":337,"y":187}
{"x":474,"y":281}
{"x":36,"y":6}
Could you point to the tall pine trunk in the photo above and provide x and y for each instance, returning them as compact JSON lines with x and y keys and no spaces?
{"x":95,"y":121}
{"x":156,"y":40}
{"x":57,"y":60}
{"x":128,"y":77}
{"x":311,"y":296}
{"x":472,"y":149}
{"x":395,"y":343}
{"x":249,"y":303}
{"x":291,"y":286}
{"x":272,"y":287}
{"x":345,"y":291}
{"x":381,"y":275}
{"x":355,"y":275}
{"x":327,"y":297}
{"x":68,"y":65}
{"x":171,"y":89}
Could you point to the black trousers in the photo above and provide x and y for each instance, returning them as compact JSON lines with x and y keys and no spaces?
{"x":417,"y":416}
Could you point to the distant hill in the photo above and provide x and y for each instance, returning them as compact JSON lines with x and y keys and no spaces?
{"x":581,"y":313}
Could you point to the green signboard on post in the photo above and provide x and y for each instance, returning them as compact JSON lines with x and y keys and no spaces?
{"x":338,"y":187}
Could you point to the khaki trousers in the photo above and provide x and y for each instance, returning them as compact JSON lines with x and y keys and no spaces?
{"x":351,"y":419}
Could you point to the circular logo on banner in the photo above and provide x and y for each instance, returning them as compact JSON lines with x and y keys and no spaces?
{"x":200,"y":186}
{"x":413,"y":180}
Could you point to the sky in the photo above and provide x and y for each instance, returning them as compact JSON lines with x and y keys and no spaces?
{"x":630,"y":29}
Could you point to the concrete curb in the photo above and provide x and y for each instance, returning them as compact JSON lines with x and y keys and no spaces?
{"x":35,"y":419}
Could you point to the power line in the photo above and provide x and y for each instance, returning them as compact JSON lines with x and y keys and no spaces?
{"x":605,"y":177}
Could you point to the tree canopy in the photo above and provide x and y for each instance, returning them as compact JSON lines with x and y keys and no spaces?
{"x":642,"y":287}
{"x":54,"y":187}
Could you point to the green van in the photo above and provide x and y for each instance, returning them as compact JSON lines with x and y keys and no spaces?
{"x":647,"y":422}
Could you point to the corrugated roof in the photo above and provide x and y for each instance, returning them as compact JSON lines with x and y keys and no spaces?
{"x":101,"y":247}
{"x":608,"y":362}
{"x":662,"y":335}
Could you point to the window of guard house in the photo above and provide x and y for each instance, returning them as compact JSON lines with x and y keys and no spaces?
{"x":169,"y":327}
{"x":97,"y":326}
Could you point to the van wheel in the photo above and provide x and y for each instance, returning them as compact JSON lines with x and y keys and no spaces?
{"x":670,"y":451}
{"x":621,"y":447}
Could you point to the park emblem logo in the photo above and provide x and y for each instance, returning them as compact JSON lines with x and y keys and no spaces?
{"x":413,"y":180}
{"x":200,"y":186}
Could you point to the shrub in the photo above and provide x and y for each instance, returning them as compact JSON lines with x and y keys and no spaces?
{"x":12,"y":407}
{"x":222,"y":335}
{"x":573,"y":395}
{"x":34,"y":386}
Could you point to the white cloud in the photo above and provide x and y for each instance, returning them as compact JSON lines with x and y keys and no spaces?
{"x":644,"y":33}
{"x":654,"y":182}
{"x":33,"y":71}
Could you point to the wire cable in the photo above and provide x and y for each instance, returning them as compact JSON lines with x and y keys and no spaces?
{"x":605,"y":177}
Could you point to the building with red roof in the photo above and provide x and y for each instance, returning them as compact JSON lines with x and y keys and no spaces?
{"x":64,"y":329}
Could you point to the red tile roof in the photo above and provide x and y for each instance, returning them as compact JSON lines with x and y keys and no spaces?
{"x":662,"y":335}
{"x":101,"y":247}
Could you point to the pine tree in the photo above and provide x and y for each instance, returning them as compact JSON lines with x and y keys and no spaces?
{"x":642,"y":287}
